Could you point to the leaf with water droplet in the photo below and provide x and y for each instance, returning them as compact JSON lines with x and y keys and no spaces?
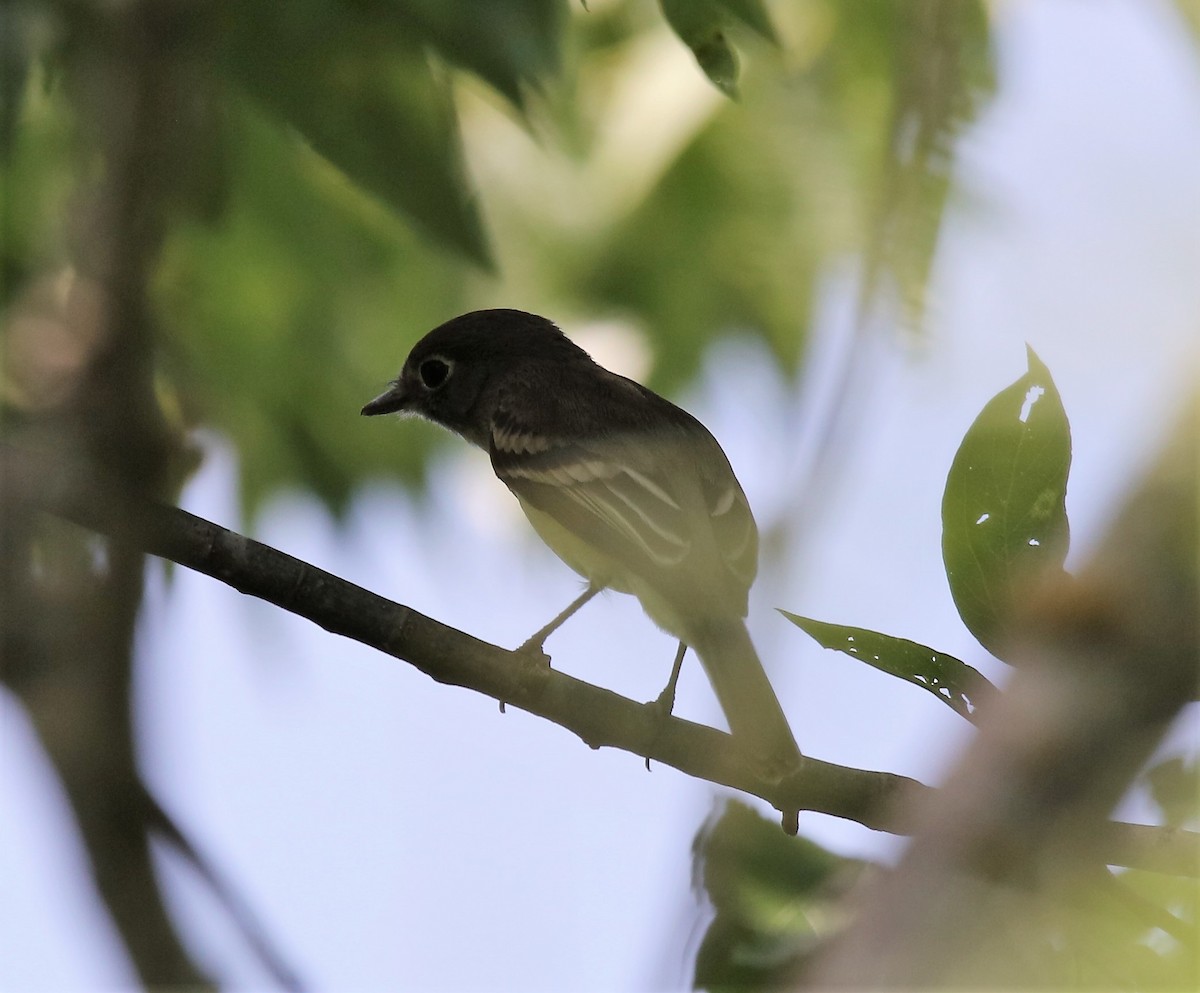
{"x":1004,"y":514}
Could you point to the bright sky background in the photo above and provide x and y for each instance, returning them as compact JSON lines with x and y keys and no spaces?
{"x":397,"y":834}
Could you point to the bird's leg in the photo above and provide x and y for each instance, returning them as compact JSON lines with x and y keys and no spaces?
{"x":666,"y":699}
{"x":533,"y":644}
{"x":665,"y":703}
{"x":538,"y":638}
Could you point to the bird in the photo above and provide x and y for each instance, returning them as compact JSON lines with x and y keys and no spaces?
{"x":629,"y":490}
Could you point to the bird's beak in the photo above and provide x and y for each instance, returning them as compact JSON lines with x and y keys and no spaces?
{"x":394,"y":399}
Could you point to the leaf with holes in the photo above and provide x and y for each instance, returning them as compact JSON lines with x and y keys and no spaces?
{"x":1004,"y":515}
{"x":955,"y":683}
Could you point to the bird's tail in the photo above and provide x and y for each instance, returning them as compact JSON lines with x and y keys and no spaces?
{"x":745,"y":694}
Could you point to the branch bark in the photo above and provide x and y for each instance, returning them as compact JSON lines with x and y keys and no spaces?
{"x":878,"y":800}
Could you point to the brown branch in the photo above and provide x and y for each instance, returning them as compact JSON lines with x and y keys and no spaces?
{"x":598,"y":716}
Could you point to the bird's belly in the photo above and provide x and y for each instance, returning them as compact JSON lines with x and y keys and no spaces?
{"x":602,"y":570}
{"x":592,"y":564}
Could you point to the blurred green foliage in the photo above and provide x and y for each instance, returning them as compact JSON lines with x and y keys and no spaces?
{"x":703,"y":25}
{"x":351,"y":181}
{"x":777,"y":901}
{"x":354,"y":82}
{"x":280,"y":317}
{"x":774,"y":899}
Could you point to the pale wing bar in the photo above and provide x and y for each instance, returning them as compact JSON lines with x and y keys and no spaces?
{"x":733,"y":527}
{"x":626,"y":500}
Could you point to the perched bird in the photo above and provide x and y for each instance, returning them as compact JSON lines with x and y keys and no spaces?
{"x":629,"y":490}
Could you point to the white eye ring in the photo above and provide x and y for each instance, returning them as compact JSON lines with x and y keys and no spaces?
{"x":434,"y":372}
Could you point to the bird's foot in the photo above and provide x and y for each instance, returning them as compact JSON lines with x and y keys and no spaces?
{"x":665,"y":701}
{"x":664,"y":704}
{"x":532,"y":649}
{"x":660,"y":709}
{"x":534,"y":661}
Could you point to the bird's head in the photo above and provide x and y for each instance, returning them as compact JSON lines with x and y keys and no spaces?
{"x":447,"y":375}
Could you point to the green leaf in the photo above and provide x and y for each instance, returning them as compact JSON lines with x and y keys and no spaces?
{"x":903,"y":79}
{"x":38,"y":179}
{"x":15,"y":52}
{"x":753,"y":14}
{"x":940,"y":68}
{"x":752,"y":258}
{"x":1004,"y":516}
{"x":955,"y":683}
{"x":510,"y":44}
{"x":281,"y":319}
{"x":769,"y":892}
{"x":701,"y":25}
{"x":362,"y":94}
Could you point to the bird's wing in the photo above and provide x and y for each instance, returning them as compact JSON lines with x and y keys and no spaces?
{"x":653,"y":500}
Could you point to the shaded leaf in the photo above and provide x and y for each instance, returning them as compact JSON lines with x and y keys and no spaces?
{"x":38,"y":175}
{"x":510,"y":44}
{"x":284,"y":317}
{"x":753,"y":14}
{"x":778,"y":901}
{"x":955,"y":683}
{"x":1004,"y":515}
{"x":742,"y":231}
{"x":769,"y":893}
{"x":941,"y":68}
{"x":15,"y":52}
{"x":300,"y":289}
{"x":701,"y":25}
{"x":362,"y":94}
{"x":769,"y":194}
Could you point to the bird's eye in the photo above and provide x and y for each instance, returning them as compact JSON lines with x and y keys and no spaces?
{"x":434,"y":372}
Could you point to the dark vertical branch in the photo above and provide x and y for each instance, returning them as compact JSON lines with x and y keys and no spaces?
{"x":130,"y":72}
